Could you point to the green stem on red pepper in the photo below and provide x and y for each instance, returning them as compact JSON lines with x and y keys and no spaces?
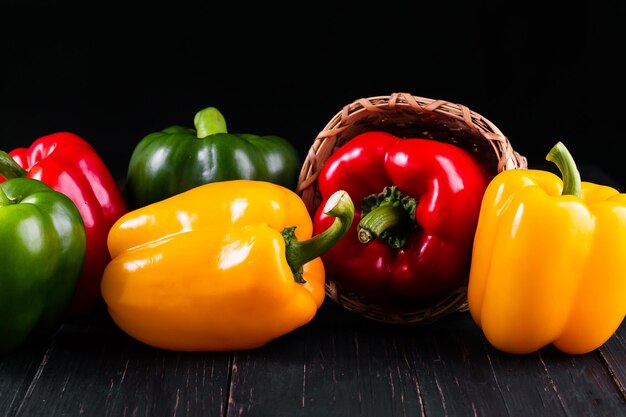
{"x":447,"y":184}
{"x":563,"y":159}
{"x":9,"y":168}
{"x":389,"y":216}
{"x":339,"y":206}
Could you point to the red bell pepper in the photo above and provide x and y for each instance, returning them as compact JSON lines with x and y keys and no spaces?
{"x":69,"y":164}
{"x":416,"y":209}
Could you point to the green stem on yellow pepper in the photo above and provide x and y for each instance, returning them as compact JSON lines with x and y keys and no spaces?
{"x":9,"y":168}
{"x":561,"y":156}
{"x":208,"y":122}
{"x":340,"y":206}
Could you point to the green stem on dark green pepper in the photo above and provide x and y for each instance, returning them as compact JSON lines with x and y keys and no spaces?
{"x":208,"y":122}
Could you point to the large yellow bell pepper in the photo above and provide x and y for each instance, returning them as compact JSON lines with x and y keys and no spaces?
{"x":224,"y":266}
{"x":549,"y":260}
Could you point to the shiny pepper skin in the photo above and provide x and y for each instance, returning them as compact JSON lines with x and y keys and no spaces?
{"x":548,"y":262}
{"x":417,"y":203}
{"x":218,"y":267}
{"x":69,"y":164}
{"x":43,"y":250}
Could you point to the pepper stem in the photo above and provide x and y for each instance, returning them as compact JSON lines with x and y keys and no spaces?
{"x":380,"y":221}
{"x":4,"y":199}
{"x":9,"y":168}
{"x":208,"y":122}
{"x":339,"y":206}
{"x":389,"y":215}
{"x":561,"y":156}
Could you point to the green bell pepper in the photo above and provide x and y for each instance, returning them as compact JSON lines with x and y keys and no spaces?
{"x":42,"y":254}
{"x":177,"y":159}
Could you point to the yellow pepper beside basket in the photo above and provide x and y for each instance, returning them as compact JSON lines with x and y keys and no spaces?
{"x":224,"y":266}
{"x":549,"y":260}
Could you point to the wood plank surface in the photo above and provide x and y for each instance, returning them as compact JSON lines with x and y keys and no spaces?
{"x":445,"y":369}
{"x":614,"y":354}
{"x":337,"y":365}
{"x":17,"y":371}
{"x":93,"y":369}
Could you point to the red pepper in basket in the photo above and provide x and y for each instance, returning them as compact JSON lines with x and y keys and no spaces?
{"x":68,"y":164}
{"x":416,"y":209}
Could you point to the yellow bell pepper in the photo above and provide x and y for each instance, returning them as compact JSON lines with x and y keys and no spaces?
{"x":224,"y":266}
{"x":549,"y":260}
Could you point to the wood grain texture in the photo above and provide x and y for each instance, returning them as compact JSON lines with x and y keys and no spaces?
{"x":613,"y":352}
{"x":337,"y":365}
{"x":448,"y":369}
{"x":17,"y":371}
{"x":96,"y":370}
{"x":328,"y":370}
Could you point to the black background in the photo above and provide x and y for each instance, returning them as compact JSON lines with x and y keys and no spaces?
{"x":114,"y":74}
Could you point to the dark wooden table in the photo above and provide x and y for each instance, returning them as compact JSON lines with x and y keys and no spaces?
{"x":340,"y":365}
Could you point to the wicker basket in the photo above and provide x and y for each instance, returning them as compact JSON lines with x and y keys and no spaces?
{"x":406,"y":115}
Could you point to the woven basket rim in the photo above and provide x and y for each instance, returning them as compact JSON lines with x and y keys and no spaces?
{"x":407,"y":104}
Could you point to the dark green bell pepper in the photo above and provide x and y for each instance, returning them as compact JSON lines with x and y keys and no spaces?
{"x":42,"y":254}
{"x":177,"y":159}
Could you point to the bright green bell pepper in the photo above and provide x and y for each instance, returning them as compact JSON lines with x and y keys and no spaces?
{"x":177,"y":159}
{"x":42,"y":254}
